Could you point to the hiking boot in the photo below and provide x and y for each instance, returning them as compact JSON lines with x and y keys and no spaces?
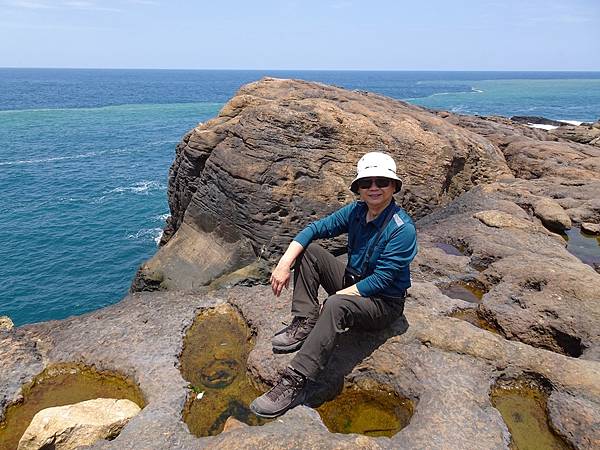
{"x":285,"y":394}
{"x":293,"y":336}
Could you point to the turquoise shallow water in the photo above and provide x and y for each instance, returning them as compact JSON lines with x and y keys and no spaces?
{"x":84,"y":160}
{"x":83,"y":202}
{"x":569,"y":99}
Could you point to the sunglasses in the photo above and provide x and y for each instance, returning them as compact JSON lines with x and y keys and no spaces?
{"x":365,"y":183}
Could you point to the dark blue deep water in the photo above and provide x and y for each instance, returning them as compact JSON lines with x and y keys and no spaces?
{"x":84,"y":157}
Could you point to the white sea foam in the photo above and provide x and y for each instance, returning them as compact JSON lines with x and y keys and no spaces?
{"x":542,"y":126}
{"x":43,"y":160}
{"x":476,"y":90}
{"x":147,"y":233}
{"x":65,"y":158}
{"x":141,"y":187}
{"x":459,"y":109}
{"x":164,"y":142}
{"x":162,"y":217}
{"x":571,"y":122}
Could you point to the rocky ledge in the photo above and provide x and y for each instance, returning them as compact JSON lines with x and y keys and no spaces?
{"x":490,"y":196}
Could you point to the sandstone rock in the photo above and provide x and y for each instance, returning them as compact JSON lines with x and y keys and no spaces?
{"x":233,"y":424}
{"x":584,"y":133}
{"x":193,"y":258}
{"x":590,"y":228}
{"x":6,"y":324}
{"x":580,"y":199}
{"x":537,"y":292}
{"x":84,"y":423}
{"x":552,"y":215}
{"x":282,"y":153}
{"x":535,"y":154}
{"x":500,"y":219}
{"x":577,"y":419}
{"x":444,"y":364}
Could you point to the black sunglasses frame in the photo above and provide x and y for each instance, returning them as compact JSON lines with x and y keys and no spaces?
{"x":379,"y":182}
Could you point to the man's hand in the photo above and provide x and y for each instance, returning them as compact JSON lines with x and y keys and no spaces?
{"x":280,"y":278}
{"x":350,"y":290}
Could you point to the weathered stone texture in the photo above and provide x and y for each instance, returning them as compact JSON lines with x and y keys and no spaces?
{"x":282,"y":153}
{"x":72,"y":426}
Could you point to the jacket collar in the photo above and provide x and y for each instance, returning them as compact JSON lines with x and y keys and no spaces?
{"x":378,"y":222}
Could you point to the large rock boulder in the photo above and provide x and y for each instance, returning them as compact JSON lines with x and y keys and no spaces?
{"x":552,"y":215}
{"x":282,"y":153}
{"x":71,"y":426}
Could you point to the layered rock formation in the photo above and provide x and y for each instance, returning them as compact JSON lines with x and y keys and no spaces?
{"x":282,"y":153}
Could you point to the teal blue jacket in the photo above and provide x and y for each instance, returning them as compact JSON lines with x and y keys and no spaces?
{"x":387,"y":272}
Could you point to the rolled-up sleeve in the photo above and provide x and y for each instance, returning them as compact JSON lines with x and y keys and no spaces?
{"x":400,"y":250}
{"x":330,"y":226}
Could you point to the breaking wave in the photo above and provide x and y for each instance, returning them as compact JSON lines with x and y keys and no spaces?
{"x":141,"y":187}
{"x":147,"y":234}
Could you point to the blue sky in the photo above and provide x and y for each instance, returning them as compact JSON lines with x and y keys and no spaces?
{"x":327,"y":34}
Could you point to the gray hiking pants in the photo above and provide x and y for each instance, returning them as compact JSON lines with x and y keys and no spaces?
{"x":314,"y":267}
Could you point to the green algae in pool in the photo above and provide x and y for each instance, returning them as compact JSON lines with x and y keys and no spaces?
{"x":585,"y":246}
{"x":522,"y":404}
{"x":61,"y":385}
{"x":472,"y":316}
{"x":369,"y":412}
{"x":463,"y":290}
{"x":213,"y":361}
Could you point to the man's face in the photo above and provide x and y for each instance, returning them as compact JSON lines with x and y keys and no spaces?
{"x":377,"y":194}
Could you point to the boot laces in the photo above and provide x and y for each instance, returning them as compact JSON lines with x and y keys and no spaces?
{"x":297,"y":322}
{"x":288,"y":381}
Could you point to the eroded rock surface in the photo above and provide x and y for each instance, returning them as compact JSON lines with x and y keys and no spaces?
{"x":282,"y":153}
{"x":584,"y":133}
{"x":446,"y":366}
{"x":71,"y":426}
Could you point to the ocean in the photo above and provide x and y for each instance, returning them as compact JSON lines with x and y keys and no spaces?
{"x":85,"y":154}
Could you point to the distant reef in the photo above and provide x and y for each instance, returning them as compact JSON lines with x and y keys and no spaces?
{"x":500,"y":297}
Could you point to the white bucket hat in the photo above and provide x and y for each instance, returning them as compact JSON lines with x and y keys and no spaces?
{"x":375,"y":164}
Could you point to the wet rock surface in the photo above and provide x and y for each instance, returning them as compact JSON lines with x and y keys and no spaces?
{"x":523,"y":405}
{"x":213,"y":361}
{"x":372,"y":412}
{"x":443,"y":365}
{"x":487,"y":193}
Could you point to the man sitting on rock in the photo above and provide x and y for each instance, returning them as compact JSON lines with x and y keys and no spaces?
{"x":368,"y":293}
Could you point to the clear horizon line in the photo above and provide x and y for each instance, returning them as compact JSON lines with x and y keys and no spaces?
{"x":300,"y":70}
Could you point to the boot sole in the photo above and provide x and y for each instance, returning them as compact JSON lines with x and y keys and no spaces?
{"x":288,"y":348}
{"x":300,"y":400}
